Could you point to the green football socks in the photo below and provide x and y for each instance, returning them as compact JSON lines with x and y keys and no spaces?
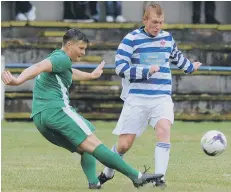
{"x":114,"y":161}
{"x":88,"y":163}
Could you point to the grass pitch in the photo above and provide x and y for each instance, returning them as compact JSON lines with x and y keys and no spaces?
{"x":32,"y":164}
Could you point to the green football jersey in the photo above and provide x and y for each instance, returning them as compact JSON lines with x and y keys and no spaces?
{"x":51,"y":90}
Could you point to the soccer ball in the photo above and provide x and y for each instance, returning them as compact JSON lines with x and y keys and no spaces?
{"x":213,"y":143}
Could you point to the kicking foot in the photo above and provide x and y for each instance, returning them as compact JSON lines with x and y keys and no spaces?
{"x":147,"y":178}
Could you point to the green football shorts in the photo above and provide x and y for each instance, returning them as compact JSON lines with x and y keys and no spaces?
{"x":63,"y":127}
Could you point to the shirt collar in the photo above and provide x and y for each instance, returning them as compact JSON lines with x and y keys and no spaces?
{"x":149,"y":35}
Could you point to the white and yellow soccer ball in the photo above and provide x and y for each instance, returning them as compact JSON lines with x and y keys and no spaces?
{"x":213,"y":143}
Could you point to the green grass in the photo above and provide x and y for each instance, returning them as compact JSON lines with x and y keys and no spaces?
{"x":32,"y":164}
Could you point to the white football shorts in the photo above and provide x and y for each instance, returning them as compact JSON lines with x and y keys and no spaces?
{"x":139,"y":112}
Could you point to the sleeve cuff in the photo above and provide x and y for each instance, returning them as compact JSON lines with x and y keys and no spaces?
{"x":190,"y":69}
{"x":145,"y":73}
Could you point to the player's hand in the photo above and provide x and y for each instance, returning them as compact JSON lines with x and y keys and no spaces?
{"x":154,"y":69}
{"x":98,"y":71}
{"x":9,"y":79}
{"x":196,"y":65}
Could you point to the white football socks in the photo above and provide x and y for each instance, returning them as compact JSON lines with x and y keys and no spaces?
{"x":108,"y":171}
{"x":162,"y":151}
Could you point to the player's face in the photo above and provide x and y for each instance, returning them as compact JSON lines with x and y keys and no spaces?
{"x":77,"y":50}
{"x":153,"y":24}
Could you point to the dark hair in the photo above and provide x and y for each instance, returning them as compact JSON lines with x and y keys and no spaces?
{"x":73,"y":35}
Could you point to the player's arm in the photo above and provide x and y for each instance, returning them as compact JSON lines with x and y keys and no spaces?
{"x":83,"y":76}
{"x":123,"y":60}
{"x":29,"y":73}
{"x":177,"y":58}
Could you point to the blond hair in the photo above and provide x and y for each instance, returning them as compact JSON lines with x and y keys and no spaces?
{"x":157,"y":8}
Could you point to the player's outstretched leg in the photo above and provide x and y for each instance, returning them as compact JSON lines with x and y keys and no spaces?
{"x":125,"y":142}
{"x":112,"y":160}
{"x":108,"y":173}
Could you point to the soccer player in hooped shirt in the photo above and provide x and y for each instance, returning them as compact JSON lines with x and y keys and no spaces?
{"x":143,"y":61}
{"x":58,"y":122}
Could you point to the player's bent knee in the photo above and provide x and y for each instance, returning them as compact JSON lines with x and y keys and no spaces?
{"x":125,"y":143}
{"x":123,"y":147}
{"x":163,"y":125}
{"x":90,"y":143}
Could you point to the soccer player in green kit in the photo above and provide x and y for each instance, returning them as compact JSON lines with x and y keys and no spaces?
{"x":58,"y":122}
